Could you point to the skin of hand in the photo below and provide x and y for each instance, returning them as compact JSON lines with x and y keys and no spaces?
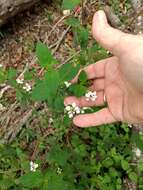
{"x":119,"y":78}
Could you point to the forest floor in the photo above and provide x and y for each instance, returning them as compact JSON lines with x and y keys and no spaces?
{"x":18,"y":38}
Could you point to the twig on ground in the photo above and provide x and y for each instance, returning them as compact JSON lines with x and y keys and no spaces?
{"x":61,"y":39}
{"x":54,"y":27}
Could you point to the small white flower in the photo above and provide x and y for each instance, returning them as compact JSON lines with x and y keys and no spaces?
{"x":33,"y":166}
{"x":91,"y":96}
{"x":59,"y":171}
{"x":138,"y":152}
{"x":73,"y":104}
{"x":71,"y":115}
{"x":67,"y":84}
{"x":68,"y":108}
{"x":27,"y":87}
{"x":20,"y":81}
{"x":51,"y":120}
{"x":130,"y":125}
{"x":66,"y":12}
{"x":72,"y":110}
{"x":1,"y":65}
{"x":77,"y":110}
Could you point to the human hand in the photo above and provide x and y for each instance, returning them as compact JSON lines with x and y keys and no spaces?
{"x":119,"y":78}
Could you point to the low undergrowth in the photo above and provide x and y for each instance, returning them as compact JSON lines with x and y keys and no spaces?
{"x":64,"y":156}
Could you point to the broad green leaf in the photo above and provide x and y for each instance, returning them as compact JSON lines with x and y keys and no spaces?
{"x":137,"y":140}
{"x":32,"y":179}
{"x":40,"y":92}
{"x":45,"y":58}
{"x":108,"y":162}
{"x":82,"y":77}
{"x":52,"y":79}
{"x":72,"y":22}
{"x":125,"y":165}
{"x":68,"y":71}
{"x":55,"y":181}
{"x":78,"y":89}
{"x":70,"y":4}
{"x":6,"y":183}
{"x":58,"y":155}
{"x":59,"y":104}
{"x":47,"y":89}
{"x":133,"y":176}
{"x":82,"y":35}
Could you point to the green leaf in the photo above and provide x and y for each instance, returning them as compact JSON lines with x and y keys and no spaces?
{"x":44,"y":55}
{"x":6,"y":183}
{"x":11,"y":74}
{"x":108,"y":162}
{"x":52,"y":79}
{"x":125,"y":165}
{"x":59,"y":104}
{"x":39,"y":93}
{"x":72,"y":22}
{"x":68,"y":71}
{"x":78,"y":89}
{"x":47,"y":89}
{"x":133,"y":176}
{"x":82,"y":35}
{"x":32,"y":179}
{"x":58,"y":155}
{"x":137,"y":140}
{"x":82,"y":77}
{"x":55,"y":181}
{"x":70,"y":4}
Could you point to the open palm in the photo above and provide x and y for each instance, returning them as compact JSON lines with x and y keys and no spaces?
{"x":118,"y":78}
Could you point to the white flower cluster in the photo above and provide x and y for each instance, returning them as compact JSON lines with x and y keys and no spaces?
{"x":91,"y":96}
{"x":26,"y":86}
{"x":59,"y":171}
{"x":33,"y":166}
{"x":1,"y":65}
{"x":137,"y":152}
{"x":67,"y":84}
{"x":72,"y":110}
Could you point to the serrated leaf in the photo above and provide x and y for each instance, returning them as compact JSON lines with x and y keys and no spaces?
{"x":125,"y":165}
{"x":68,"y":71}
{"x":137,"y":140}
{"x":39,"y":93}
{"x":78,"y":90}
{"x":72,"y":22}
{"x":133,"y":176}
{"x":32,"y":179}
{"x":45,"y":58}
{"x":83,"y":35}
{"x":59,"y":104}
{"x":82,"y":77}
{"x":70,"y":4}
{"x":47,"y":89}
{"x":58,"y":155}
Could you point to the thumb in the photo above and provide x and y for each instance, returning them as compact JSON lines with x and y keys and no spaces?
{"x":109,"y":37}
